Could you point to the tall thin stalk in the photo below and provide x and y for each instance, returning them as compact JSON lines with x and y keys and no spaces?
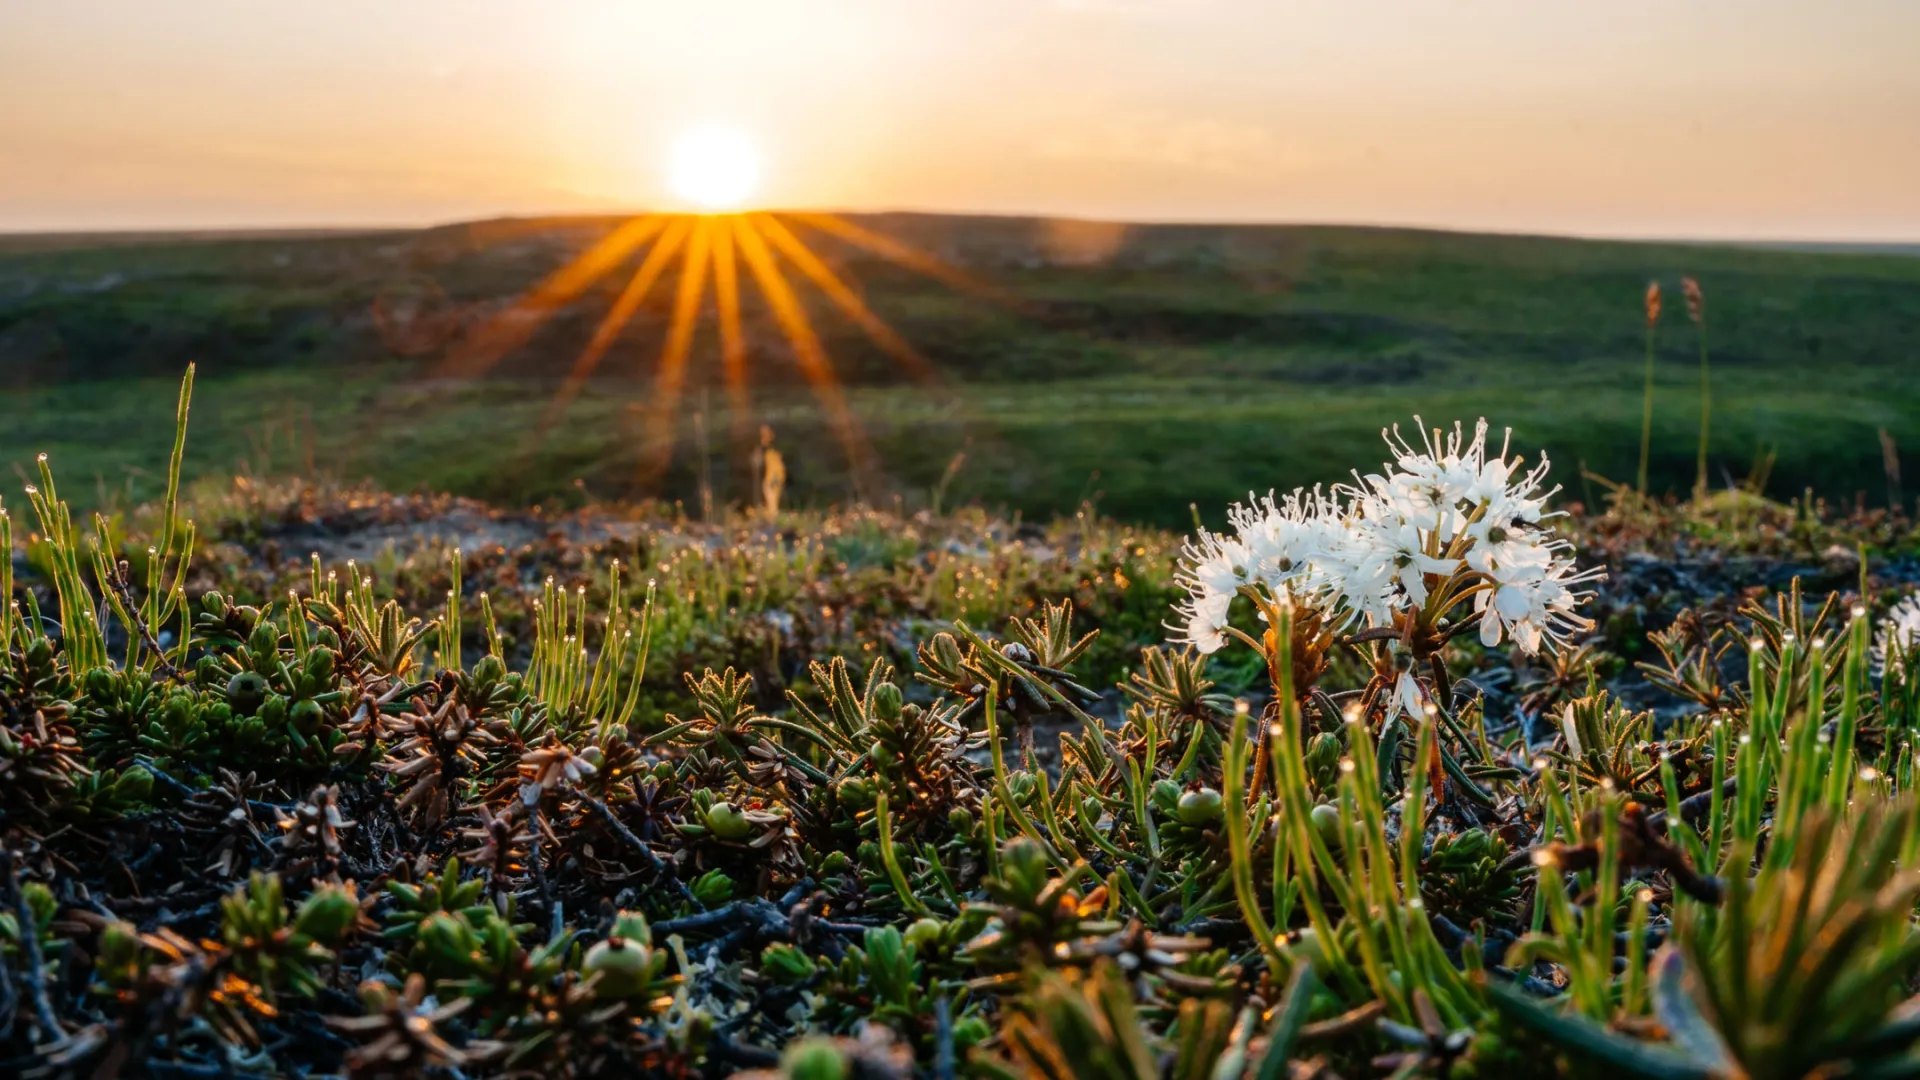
{"x":1697,"y":311}
{"x":1646,"y":405}
{"x":6,"y":588}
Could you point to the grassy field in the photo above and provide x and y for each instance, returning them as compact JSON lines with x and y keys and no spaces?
{"x":1143,"y":367}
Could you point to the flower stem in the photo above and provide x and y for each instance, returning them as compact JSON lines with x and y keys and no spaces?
{"x":1646,"y":414}
{"x":1706,"y":414}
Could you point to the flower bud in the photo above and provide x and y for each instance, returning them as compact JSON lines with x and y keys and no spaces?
{"x":489,"y":670}
{"x":960,"y":820}
{"x":133,"y":785}
{"x":855,"y":793}
{"x":327,"y":915}
{"x":320,"y":666}
{"x":101,"y":684}
{"x":786,"y":964}
{"x":265,"y":640}
{"x":885,"y":702}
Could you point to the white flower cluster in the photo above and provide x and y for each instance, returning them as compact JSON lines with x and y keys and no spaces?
{"x":1362,"y":551}
{"x":1899,"y":633}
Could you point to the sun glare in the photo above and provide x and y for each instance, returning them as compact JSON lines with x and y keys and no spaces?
{"x":714,"y":168}
{"x":721,"y":252}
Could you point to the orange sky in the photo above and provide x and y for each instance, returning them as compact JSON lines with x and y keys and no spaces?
{"x":1711,"y":118}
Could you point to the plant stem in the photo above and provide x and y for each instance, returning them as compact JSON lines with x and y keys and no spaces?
{"x":1706,"y":413}
{"x":1646,"y":414}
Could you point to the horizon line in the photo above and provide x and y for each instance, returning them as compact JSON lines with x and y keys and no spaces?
{"x":299,"y":230}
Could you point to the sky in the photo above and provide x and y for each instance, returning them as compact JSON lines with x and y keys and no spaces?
{"x":1726,"y":119}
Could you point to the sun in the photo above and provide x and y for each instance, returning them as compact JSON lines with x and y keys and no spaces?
{"x":714,"y":168}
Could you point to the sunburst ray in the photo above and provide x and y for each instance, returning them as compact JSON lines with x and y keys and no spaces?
{"x":713,"y":246}
{"x":733,"y":340}
{"x":841,"y":295}
{"x":812,"y":357}
{"x":511,"y":329}
{"x":671,"y":378}
{"x":619,"y":315}
{"x":905,"y":254}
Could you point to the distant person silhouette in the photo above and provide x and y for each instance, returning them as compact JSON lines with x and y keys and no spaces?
{"x":772,"y":470}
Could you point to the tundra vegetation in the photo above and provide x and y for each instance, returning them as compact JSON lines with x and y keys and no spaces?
{"x":1414,"y":776}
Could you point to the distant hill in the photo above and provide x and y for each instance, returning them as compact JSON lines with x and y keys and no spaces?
{"x":1146,"y":364}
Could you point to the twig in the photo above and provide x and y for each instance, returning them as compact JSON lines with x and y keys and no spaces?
{"x":30,"y":947}
{"x":9,"y":1000}
{"x":1351,"y":1020}
{"x":198,"y":1072}
{"x":125,"y":590}
{"x":539,"y":865}
{"x":704,"y":920}
{"x":654,"y":861}
{"x":943,"y":1056}
{"x":740,"y":1053}
{"x":1693,"y":807}
{"x":176,"y":784}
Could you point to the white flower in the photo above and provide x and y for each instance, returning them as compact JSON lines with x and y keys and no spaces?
{"x":1899,"y":633}
{"x":1406,"y":696}
{"x":1406,"y":547}
{"x":1445,"y":511}
{"x":1204,"y":622}
{"x":1283,"y":540}
{"x":1572,"y":730}
{"x":1214,"y":569}
{"x":1530,"y":593}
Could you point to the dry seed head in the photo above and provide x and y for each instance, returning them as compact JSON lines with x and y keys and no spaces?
{"x":1696,"y":304}
{"x":1653,"y":302}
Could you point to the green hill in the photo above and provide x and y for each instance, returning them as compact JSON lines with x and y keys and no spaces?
{"x":1145,"y":366}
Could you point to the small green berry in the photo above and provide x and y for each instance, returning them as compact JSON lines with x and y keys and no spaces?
{"x":1200,"y":807}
